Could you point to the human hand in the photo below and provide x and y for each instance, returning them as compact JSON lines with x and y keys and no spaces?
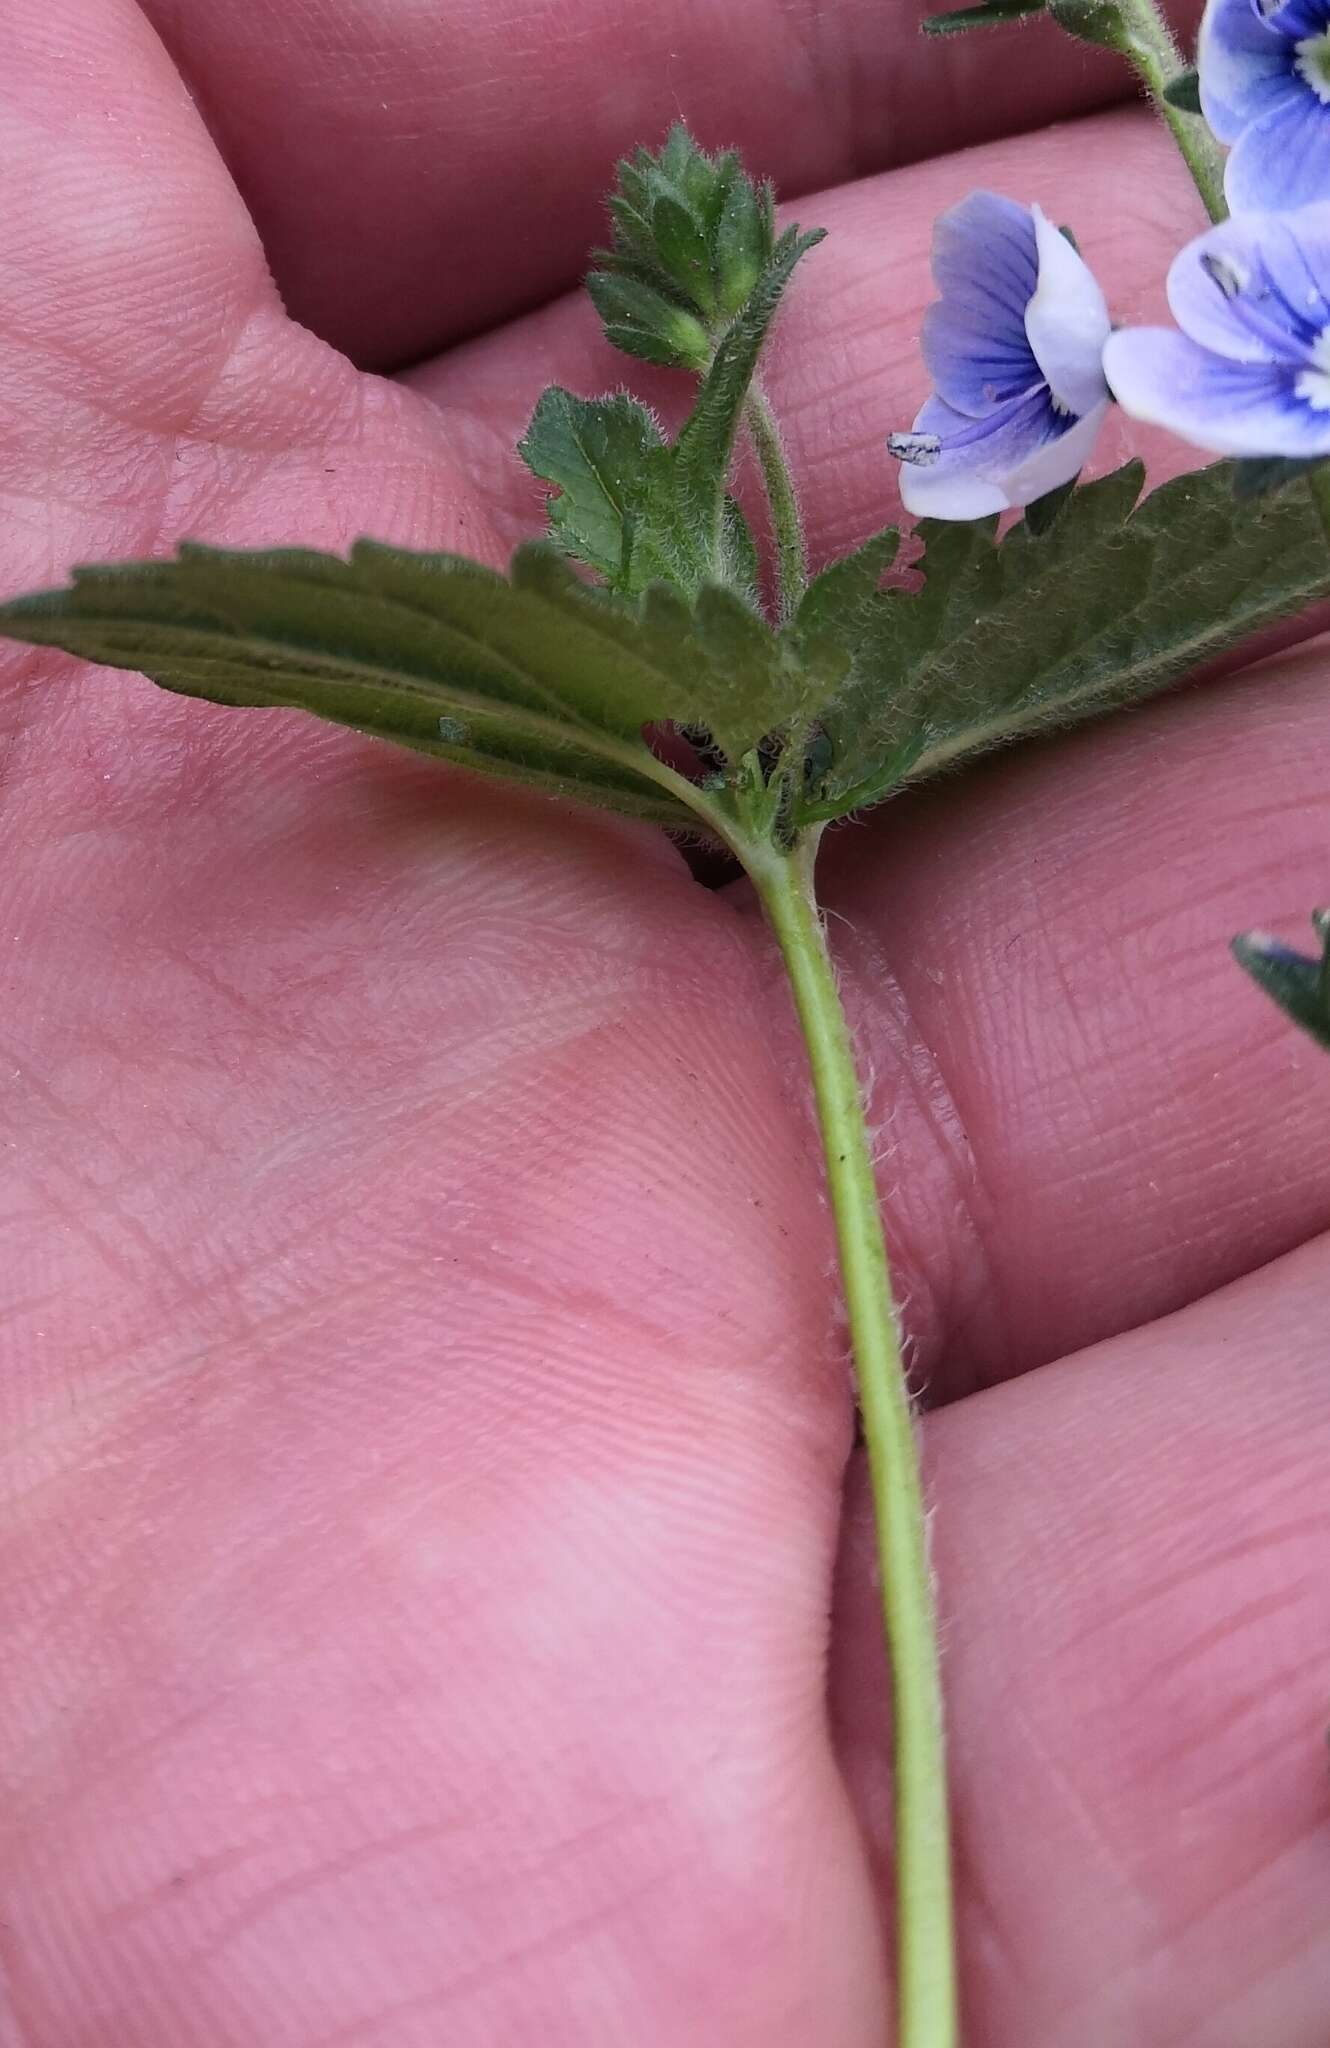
{"x":427,"y":1547}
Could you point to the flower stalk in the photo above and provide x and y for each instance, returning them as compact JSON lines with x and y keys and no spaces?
{"x":925,"y":1948}
{"x":786,"y":525}
{"x":1137,"y":31}
{"x":1147,"y":43}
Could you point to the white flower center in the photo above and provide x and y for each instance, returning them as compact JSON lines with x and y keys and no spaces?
{"x":1313,"y":60}
{"x":1313,"y":384}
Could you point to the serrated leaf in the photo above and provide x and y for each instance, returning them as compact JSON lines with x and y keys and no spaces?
{"x":595,"y":451}
{"x":643,"y":322}
{"x":636,"y":511}
{"x":991,"y":14}
{"x":1114,"y":603}
{"x":533,"y":676}
{"x":1299,"y":984}
{"x":429,"y":651}
{"x":715,"y":664}
{"x":1043,"y":513}
{"x":837,"y":608}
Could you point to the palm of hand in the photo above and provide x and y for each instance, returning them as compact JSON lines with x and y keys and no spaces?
{"x":425,"y":1463}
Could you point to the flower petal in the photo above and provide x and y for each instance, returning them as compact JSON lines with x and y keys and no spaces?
{"x":973,"y":368}
{"x":1296,"y":19}
{"x":1257,"y":288}
{"x":1058,"y":461}
{"x":974,"y":340}
{"x":1067,"y":321}
{"x":972,"y":473}
{"x":1245,"y":66}
{"x":1230,"y":408}
{"x":987,"y":245}
{"x":1282,"y":160}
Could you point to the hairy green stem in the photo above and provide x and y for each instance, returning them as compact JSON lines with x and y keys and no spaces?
{"x":925,"y":1953}
{"x":786,"y":525}
{"x":1139,"y":32}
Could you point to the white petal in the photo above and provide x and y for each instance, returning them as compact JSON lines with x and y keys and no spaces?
{"x":951,"y":495}
{"x":1067,"y":321}
{"x":1057,"y":462}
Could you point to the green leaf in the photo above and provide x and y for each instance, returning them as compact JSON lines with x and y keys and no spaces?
{"x":839,"y":608}
{"x":1113,"y":603}
{"x":642,"y":322}
{"x":1300,"y":985}
{"x":597,"y":453}
{"x":511,"y":678}
{"x":720,"y":668}
{"x":1255,"y":476}
{"x":683,"y":246}
{"x":1184,"y":92}
{"x":533,"y":676}
{"x":744,"y":236}
{"x":636,"y":511}
{"x":1042,"y":515}
{"x":691,"y":236}
{"x":991,"y":15}
{"x":739,"y":558}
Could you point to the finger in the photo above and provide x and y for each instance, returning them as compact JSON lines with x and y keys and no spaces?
{"x":415,"y":1542}
{"x":150,"y":385}
{"x":315,"y":1410}
{"x":420,"y":173}
{"x":1116,"y":1120}
{"x":846,"y":367}
{"x":1133,"y":1554}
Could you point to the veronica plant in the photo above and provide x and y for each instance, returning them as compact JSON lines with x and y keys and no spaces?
{"x":649,"y":656}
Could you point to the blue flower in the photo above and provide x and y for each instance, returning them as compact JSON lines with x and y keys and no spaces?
{"x":1014,"y":348}
{"x":1250,"y":372}
{"x":1265,"y":87}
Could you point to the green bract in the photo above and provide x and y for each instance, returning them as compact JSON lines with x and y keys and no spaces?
{"x":1298,"y":983}
{"x":691,"y":234}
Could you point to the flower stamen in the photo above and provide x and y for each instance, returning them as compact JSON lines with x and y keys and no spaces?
{"x":1312,"y":59}
{"x":920,"y":449}
{"x":1231,"y":278}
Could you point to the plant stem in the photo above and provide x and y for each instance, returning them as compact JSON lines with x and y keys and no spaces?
{"x":786,"y":525}
{"x":1139,"y":32}
{"x":925,"y":1955}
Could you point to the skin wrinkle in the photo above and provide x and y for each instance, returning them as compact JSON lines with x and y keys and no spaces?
{"x":955,"y":1183}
